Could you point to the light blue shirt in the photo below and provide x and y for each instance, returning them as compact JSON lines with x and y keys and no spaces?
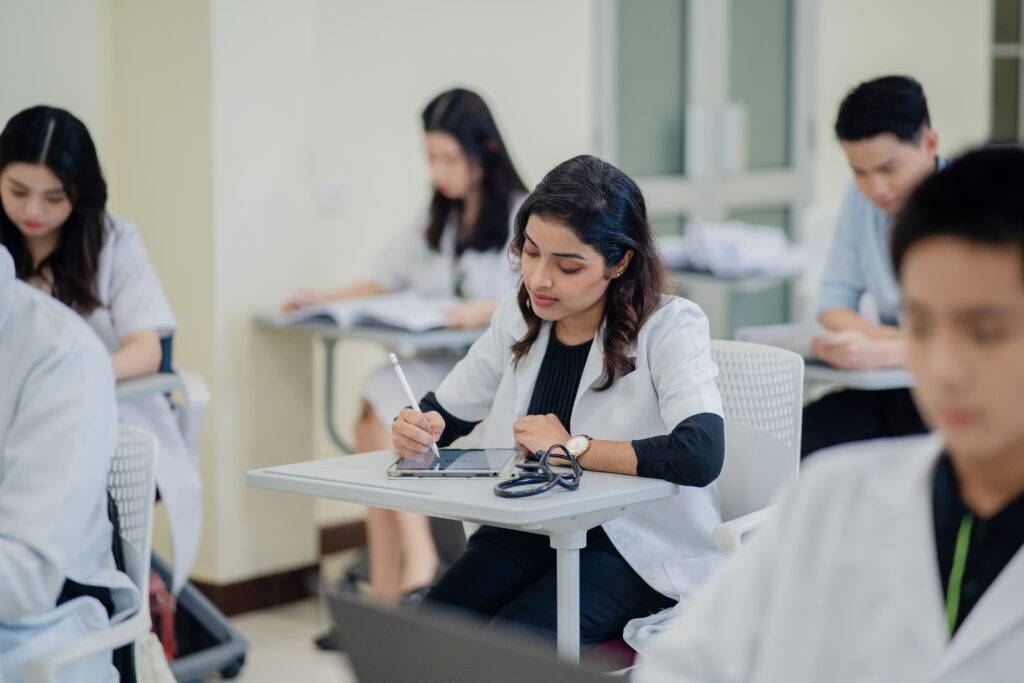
{"x":860,"y":260}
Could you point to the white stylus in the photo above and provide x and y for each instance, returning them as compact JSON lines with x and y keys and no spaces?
{"x":408,"y":392}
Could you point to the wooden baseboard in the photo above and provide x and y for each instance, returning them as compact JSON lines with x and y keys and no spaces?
{"x":260,"y":592}
{"x":339,"y":537}
{"x":279,"y":588}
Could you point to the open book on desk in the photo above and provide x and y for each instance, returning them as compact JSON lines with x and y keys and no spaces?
{"x":400,"y":311}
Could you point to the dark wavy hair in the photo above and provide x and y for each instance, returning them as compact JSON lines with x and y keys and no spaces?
{"x":606,"y":210}
{"x":464,"y":115}
{"x":55,"y":138}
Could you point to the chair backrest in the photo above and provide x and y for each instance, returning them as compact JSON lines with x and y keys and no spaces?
{"x":762,"y":399}
{"x":131,"y":484}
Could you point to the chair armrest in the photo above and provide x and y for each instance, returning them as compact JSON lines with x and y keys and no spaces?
{"x":192,"y":413}
{"x":44,"y":668}
{"x":728,"y":536}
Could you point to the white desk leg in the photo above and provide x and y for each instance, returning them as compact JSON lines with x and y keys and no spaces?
{"x":567,"y":567}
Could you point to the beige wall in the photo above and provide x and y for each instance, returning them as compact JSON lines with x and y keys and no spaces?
{"x":945,"y":44}
{"x":262,"y":82}
{"x":161,"y":111}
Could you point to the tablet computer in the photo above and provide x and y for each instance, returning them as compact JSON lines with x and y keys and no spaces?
{"x":459,"y":462}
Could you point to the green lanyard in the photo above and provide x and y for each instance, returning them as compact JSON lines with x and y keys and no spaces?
{"x":956,"y":576}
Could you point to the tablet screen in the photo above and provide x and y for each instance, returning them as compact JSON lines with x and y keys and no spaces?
{"x":461,"y":460}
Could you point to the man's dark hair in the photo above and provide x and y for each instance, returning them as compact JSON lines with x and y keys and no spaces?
{"x":890,"y":104}
{"x":976,"y":198}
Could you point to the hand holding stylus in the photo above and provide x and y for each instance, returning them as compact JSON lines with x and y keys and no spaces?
{"x":414,"y":433}
{"x":421,"y":424}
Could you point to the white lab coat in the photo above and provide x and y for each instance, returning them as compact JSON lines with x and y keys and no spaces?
{"x":843,"y":585}
{"x":669,"y":543}
{"x":58,"y":433}
{"x":408,"y":262}
{"x":132,"y":301}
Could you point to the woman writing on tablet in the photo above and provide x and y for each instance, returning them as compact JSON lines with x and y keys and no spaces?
{"x":588,"y":345}
{"x":458,"y":247}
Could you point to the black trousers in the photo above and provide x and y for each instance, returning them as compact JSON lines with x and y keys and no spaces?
{"x":857,"y":415}
{"x":510,"y":576}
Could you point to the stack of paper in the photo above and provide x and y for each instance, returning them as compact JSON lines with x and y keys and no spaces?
{"x":733,"y":249}
{"x":796,"y":337}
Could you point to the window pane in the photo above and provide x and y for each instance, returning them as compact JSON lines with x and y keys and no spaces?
{"x":668,"y":225}
{"x":1006,"y":20}
{"x":1005,"y":98}
{"x":760,"y":36}
{"x":651,"y":85}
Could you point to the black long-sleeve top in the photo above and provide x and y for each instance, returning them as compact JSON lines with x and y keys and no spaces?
{"x":691,"y":454}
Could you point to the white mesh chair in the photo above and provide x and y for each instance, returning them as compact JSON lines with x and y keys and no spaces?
{"x":762,"y":398}
{"x":131,"y":485}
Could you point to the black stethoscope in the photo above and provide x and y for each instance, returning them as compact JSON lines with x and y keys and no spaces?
{"x":540,"y":476}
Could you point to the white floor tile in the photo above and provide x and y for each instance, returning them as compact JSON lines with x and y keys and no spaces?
{"x":281,"y":646}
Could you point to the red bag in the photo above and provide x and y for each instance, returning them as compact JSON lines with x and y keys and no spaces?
{"x":161,"y":610}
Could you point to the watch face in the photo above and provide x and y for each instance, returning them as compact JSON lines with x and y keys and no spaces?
{"x":577,"y":445}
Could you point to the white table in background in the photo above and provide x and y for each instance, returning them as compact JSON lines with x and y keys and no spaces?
{"x":817,"y":372}
{"x":563,"y":516}
{"x":797,"y":337}
{"x":400,"y":342}
{"x":741,"y":285}
{"x":139,"y":387}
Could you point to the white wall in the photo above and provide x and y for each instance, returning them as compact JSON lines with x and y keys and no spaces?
{"x":57,"y":52}
{"x":944,"y":44}
{"x":378,"y":64}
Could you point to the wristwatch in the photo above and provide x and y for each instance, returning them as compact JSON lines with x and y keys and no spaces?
{"x":577,"y":445}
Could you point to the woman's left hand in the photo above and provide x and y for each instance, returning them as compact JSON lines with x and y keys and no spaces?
{"x":538,"y":432}
{"x":472,"y":313}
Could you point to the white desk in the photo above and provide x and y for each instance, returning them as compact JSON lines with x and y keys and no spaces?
{"x":798,"y":337}
{"x":563,"y":516}
{"x":156,"y":383}
{"x":743,"y":284}
{"x":817,"y":372}
{"x":400,"y":342}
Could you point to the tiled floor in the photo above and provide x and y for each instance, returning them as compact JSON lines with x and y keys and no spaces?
{"x":281,"y":646}
{"x":281,"y":639}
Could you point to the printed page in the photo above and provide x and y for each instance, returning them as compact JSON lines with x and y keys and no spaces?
{"x":795,"y":337}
